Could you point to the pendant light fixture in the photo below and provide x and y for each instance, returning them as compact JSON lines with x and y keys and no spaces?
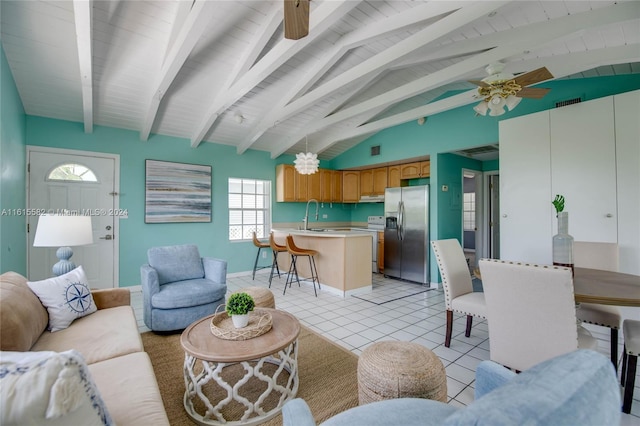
{"x":306,"y":163}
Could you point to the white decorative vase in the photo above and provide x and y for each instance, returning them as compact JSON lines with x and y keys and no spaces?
{"x":563,"y":243}
{"x":240,"y":321}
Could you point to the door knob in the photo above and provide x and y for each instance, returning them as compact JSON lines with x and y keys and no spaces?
{"x":107,"y":237}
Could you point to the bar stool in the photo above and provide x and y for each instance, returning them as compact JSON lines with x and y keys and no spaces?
{"x":261,"y":245}
{"x":631,"y":331}
{"x":296,"y":251}
{"x":275,"y":248}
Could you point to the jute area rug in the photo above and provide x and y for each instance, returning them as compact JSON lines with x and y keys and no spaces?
{"x":327,"y":373}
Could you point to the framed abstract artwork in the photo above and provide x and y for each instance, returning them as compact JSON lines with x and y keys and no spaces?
{"x":177,"y":192}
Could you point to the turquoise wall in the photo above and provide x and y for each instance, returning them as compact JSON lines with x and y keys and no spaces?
{"x":135,"y":235}
{"x":441,"y":134}
{"x":13,"y":245}
{"x":459,"y":129}
{"x":449,"y":205}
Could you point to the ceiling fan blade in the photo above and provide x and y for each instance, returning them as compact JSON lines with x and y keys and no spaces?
{"x":532,"y":92}
{"x":296,"y":19}
{"x":478,"y":83}
{"x":532,"y":77}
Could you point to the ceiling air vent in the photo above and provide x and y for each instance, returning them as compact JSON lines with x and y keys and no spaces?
{"x":560,"y":104}
{"x":375,"y":150}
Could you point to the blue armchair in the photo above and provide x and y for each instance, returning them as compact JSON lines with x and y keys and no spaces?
{"x":578,"y":388}
{"x":179,"y":287}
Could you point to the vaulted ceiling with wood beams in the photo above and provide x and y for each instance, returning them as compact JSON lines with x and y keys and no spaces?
{"x":223,"y":72}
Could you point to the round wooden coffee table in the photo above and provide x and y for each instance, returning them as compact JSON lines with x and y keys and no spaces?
{"x":235,"y":382}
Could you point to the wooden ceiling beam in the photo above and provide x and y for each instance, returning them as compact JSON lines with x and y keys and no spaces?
{"x":386,"y":58}
{"x":247,"y":60}
{"x":359,"y":37}
{"x":191,"y":29}
{"x":558,"y":65}
{"x":327,"y":14}
{"x":82,"y":13}
{"x":257,"y":45}
{"x":527,"y":38}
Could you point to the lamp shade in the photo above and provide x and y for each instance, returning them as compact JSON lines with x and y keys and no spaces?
{"x":481,"y":108}
{"x":306,"y":163}
{"x":63,"y":230}
{"x":512,"y":102}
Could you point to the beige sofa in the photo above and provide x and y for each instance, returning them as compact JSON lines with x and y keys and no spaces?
{"x":108,"y":340}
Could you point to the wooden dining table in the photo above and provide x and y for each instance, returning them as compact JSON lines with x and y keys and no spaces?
{"x":603,"y":287}
{"x":606,"y":287}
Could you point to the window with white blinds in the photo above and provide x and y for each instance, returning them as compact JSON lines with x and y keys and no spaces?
{"x":469,"y":211}
{"x":249,"y":208}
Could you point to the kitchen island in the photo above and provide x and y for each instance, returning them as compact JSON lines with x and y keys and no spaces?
{"x":343,"y":260}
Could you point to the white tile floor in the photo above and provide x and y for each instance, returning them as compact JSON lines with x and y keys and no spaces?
{"x":355,"y":323}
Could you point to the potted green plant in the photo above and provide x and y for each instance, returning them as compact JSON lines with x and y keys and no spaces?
{"x":562,"y":242}
{"x":558,"y":203}
{"x":238,"y":307}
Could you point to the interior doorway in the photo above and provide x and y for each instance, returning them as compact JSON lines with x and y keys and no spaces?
{"x":492,"y":243}
{"x":472,"y":217}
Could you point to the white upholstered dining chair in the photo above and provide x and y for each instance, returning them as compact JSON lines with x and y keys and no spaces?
{"x":599,"y":256}
{"x":531,"y":313}
{"x":456,"y":282}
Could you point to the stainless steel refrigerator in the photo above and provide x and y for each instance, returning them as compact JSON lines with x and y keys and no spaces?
{"x":406,"y":233}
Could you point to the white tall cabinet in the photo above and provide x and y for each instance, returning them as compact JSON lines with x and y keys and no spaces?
{"x":627,"y":110}
{"x":588,"y":152}
{"x":525,"y":188}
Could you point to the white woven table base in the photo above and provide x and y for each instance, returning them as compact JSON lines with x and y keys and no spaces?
{"x":286,"y":360}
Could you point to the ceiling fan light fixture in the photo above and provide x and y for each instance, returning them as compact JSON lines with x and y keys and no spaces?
{"x":496,"y":100}
{"x":496,"y":110}
{"x":500,"y":90}
{"x":481,"y":108}
{"x":512,"y":101}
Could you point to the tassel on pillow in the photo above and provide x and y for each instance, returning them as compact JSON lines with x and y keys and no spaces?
{"x":66,"y":394}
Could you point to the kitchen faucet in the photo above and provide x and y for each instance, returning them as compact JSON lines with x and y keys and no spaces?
{"x":306,"y":212}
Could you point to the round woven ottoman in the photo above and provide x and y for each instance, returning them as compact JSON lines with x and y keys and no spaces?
{"x":262,"y":297}
{"x":388,"y":370}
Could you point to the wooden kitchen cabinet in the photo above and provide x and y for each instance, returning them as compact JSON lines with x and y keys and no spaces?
{"x":314,"y":186}
{"x":366,"y":182}
{"x":373,"y":181}
{"x":285,"y":183}
{"x":420,"y":169}
{"x":380,"y":178}
{"x":301,"y":187}
{"x":326,"y":185}
{"x":381,"y":252}
{"x":425,"y":169}
{"x":350,"y":186}
{"x":330,"y":186}
{"x":393,"y":177}
{"x":336,"y":178}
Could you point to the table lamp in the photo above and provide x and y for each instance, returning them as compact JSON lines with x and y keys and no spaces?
{"x":63,"y":231}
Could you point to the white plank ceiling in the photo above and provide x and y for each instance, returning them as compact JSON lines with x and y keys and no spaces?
{"x":221,"y":71}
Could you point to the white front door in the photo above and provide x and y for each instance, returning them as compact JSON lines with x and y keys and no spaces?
{"x":84,"y":182}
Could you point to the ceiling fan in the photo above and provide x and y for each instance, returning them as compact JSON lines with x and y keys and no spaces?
{"x":296,"y":19}
{"x":499,"y":89}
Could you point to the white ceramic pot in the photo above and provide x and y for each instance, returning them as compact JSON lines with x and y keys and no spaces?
{"x":240,"y":321}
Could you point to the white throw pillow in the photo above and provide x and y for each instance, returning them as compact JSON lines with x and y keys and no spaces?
{"x":49,"y":388}
{"x":66,"y":298}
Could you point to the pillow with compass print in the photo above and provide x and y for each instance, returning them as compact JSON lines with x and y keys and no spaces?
{"x":66,"y":298}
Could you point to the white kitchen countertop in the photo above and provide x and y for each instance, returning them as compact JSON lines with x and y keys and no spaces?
{"x":337,"y":233}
